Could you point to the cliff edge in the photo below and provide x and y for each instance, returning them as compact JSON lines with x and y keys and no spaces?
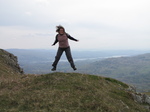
{"x":9,"y":63}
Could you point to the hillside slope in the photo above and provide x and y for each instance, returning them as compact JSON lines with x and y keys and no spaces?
{"x":132,"y":70}
{"x":63,"y":92}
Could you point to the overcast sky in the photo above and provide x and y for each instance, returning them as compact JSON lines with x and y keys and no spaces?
{"x":98,"y":24}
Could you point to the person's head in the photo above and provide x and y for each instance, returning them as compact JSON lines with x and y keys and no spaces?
{"x":60,"y":29}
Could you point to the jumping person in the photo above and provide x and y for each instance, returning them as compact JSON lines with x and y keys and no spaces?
{"x":62,"y":39}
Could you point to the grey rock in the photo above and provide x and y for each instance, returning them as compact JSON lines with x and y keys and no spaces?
{"x":131,"y":89}
{"x":141,"y":98}
{"x":146,"y":98}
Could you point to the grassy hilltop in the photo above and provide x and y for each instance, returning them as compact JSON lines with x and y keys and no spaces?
{"x":66,"y":92}
{"x":62,"y":92}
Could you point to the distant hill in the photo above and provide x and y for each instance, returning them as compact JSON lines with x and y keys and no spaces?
{"x":63,"y":92}
{"x":40,"y":55}
{"x":133,"y":70}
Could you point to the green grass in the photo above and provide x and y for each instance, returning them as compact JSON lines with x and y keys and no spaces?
{"x":65,"y":92}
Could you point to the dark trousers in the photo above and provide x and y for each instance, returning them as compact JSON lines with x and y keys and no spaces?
{"x":68,"y":55}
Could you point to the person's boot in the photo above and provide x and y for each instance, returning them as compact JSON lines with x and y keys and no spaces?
{"x":54,"y":68}
{"x":74,"y":68}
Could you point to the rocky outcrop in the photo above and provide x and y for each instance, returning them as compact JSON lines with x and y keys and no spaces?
{"x":139,"y":97}
{"x":10,"y":60}
{"x":142,"y":98}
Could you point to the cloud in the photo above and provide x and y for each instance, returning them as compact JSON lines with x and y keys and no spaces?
{"x":28,"y":13}
{"x":42,"y":1}
{"x":96,"y":23}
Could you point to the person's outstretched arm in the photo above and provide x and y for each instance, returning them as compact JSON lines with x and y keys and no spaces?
{"x":71,"y":38}
{"x":56,"y":40}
